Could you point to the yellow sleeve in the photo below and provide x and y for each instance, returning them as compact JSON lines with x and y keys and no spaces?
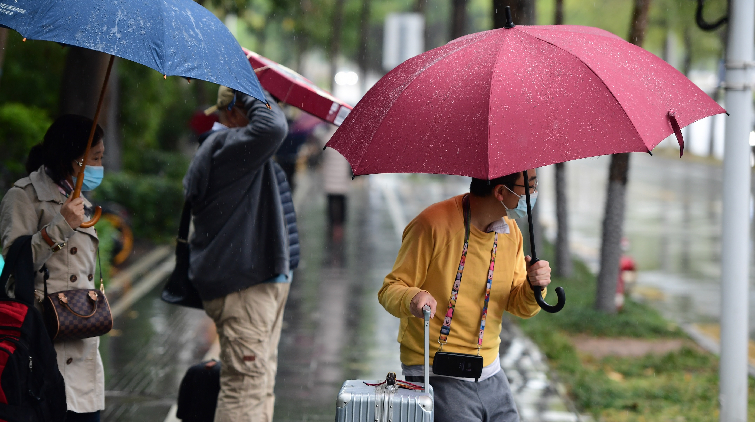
{"x":522,"y":298}
{"x":409,"y":271}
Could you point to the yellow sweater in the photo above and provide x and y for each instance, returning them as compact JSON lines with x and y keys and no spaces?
{"x":428,"y":259}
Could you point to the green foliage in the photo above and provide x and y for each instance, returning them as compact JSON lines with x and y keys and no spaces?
{"x":579,"y":316}
{"x":32,"y":73}
{"x":672,"y":19}
{"x":154,"y":202}
{"x":106,"y":234}
{"x":155,"y":112}
{"x":648,"y":388}
{"x":159,"y":163}
{"x":21,"y":127}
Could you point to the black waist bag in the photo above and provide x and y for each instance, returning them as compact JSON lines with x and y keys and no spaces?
{"x":198,"y":393}
{"x":31,"y":386}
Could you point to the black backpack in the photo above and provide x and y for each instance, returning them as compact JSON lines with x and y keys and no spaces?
{"x":31,"y":386}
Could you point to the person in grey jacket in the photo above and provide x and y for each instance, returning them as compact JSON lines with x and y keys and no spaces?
{"x":240,"y":260}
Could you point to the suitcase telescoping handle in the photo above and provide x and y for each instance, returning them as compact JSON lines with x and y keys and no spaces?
{"x":426,"y":313}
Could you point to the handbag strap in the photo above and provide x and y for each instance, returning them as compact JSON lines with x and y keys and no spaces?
{"x":183,"y":228}
{"x":445,"y":329}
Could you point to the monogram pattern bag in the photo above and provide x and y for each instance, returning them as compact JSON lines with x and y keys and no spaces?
{"x":77,"y":314}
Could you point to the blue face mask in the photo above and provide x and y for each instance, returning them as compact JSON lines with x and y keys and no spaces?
{"x":92,"y":177}
{"x":521,"y":207}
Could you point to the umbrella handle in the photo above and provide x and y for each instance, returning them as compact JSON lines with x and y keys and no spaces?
{"x":538,"y":289}
{"x":94,"y":220}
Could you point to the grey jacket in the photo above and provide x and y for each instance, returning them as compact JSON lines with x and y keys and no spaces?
{"x":240,"y":237}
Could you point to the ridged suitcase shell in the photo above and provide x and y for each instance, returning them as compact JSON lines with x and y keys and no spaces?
{"x":359,"y":402}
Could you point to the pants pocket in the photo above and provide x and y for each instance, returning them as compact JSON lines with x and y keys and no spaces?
{"x":241,"y":355}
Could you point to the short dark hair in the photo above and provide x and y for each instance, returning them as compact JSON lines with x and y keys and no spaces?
{"x":483,"y":187}
{"x":65,"y":141}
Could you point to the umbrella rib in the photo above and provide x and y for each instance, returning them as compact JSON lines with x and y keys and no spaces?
{"x":599,"y":78}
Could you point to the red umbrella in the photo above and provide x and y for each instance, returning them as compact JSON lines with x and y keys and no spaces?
{"x":507,"y":100}
{"x":501,"y":101}
{"x":296,"y":90}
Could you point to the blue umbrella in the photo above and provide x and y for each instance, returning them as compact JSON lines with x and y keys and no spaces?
{"x":174,"y":37}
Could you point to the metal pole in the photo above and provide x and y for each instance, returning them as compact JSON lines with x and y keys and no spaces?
{"x":736,"y":222}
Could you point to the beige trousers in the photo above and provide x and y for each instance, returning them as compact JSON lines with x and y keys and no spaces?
{"x":249,"y":328}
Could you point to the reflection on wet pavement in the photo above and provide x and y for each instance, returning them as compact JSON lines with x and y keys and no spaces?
{"x":334,"y":328}
{"x":144,"y":363}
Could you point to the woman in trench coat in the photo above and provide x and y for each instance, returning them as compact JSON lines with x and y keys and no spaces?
{"x":40,"y":205}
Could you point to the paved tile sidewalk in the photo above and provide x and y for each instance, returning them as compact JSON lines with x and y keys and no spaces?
{"x":539,"y":396}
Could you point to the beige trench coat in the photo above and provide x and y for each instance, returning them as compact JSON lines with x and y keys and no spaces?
{"x":32,"y":203}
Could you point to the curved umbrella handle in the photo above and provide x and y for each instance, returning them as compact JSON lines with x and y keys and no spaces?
{"x":537,"y":289}
{"x":94,"y":220}
{"x":539,"y":296}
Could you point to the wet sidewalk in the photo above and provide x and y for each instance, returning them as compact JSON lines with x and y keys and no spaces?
{"x":334,"y":328}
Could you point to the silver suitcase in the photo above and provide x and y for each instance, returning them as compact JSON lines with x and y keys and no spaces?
{"x":364,"y":401}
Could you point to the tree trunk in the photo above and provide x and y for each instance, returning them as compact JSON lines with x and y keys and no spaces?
{"x":522,"y":11}
{"x":3,"y":43}
{"x":113,"y":157}
{"x":364,"y":29}
{"x":564,"y":265}
{"x":335,"y":40}
{"x":613,"y":222}
{"x":458,"y":18}
{"x":419,"y":7}
{"x":559,"y":17}
{"x":83,"y":75}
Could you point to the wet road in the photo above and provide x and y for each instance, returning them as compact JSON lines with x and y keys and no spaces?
{"x":334,"y":329}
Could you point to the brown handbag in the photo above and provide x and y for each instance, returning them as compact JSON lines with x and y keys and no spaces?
{"x":77,"y":314}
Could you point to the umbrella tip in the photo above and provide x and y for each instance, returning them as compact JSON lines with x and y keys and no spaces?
{"x":24,"y":40}
{"x":509,"y":21}
{"x":268,"y":106}
{"x":165,"y":76}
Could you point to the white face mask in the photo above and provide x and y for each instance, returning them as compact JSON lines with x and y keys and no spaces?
{"x":521,"y":207}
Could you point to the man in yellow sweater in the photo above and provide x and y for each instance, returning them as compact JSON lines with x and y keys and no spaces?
{"x":474,"y":236}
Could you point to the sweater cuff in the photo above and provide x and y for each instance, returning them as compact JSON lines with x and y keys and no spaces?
{"x":530,"y":293}
{"x":59,"y":230}
{"x":408,"y":296}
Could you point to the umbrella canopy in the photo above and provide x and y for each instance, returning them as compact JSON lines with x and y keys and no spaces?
{"x":506,"y":100}
{"x":174,"y":37}
{"x":296,"y":90}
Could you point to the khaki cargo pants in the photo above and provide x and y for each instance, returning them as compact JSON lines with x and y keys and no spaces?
{"x":249,"y":328}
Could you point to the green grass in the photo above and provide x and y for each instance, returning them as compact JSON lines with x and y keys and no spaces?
{"x":580,"y":316}
{"x":678,"y":386}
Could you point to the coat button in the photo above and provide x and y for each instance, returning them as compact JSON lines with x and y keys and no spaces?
{"x":74,"y":250}
{"x":90,"y":277}
{"x":68,"y":362}
{"x":73,"y":279}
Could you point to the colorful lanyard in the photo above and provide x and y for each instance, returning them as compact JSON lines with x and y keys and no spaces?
{"x":446,"y":328}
